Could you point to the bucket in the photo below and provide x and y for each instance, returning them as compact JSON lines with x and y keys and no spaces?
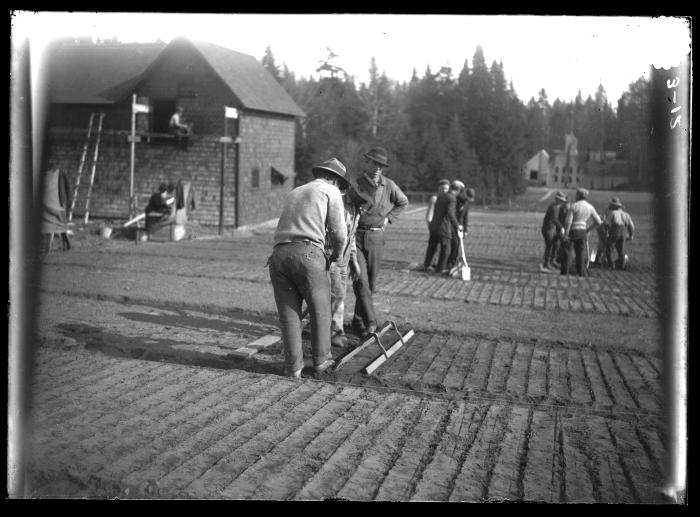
{"x":106,"y":232}
{"x":178,"y":232}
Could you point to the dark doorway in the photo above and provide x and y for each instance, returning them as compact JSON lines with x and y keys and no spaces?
{"x":162,"y":111}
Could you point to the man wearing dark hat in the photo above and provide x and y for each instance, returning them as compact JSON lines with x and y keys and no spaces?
{"x":312,"y":218}
{"x":552,"y":231}
{"x":576,"y":232}
{"x":384,"y":202}
{"x":617,"y":221}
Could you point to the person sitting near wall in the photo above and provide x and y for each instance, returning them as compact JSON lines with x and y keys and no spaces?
{"x":160,"y":208}
{"x":180,"y":128}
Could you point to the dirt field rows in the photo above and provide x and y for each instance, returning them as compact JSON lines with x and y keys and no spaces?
{"x":159,"y":376}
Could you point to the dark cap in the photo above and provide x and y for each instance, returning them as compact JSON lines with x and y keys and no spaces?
{"x":379,"y":155}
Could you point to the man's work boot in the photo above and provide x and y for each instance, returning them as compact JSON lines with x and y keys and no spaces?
{"x":293,"y":374}
{"x":324,"y":365}
{"x":358,"y":327}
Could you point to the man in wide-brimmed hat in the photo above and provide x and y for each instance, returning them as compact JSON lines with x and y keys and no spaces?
{"x":552,"y":232}
{"x":384,"y":202}
{"x":312,"y":218}
{"x":617,"y":221}
{"x":576,"y":232}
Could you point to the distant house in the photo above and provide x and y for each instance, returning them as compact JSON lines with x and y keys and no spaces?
{"x":203,"y":78}
{"x":536,"y":169}
{"x":567,"y":168}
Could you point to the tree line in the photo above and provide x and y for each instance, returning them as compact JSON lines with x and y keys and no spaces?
{"x":471,"y":126}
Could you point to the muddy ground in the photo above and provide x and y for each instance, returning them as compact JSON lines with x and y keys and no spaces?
{"x":516,"y":385}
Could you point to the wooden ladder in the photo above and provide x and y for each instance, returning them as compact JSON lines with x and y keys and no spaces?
{"x":86,"y":147}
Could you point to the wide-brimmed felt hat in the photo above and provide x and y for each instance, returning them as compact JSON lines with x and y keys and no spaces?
{"x":458,"y":184}
{"x":334,"y":166}
{"x":444,"y":182}
{"x":379,"y":155}
{"x":471,"y":195}
{"x":561,"y":196}
{"x":615,"y":203}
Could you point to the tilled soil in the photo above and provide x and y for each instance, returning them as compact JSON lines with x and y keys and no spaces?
{"x":159,"y":375}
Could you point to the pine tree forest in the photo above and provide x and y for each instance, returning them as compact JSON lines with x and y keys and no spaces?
{"x":467,"y":124}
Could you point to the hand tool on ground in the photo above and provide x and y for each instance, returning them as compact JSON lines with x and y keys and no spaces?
{"x":376,"y":337}
{"x":461,"y":269}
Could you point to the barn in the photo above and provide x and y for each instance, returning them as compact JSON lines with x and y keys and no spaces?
{"x":254,"y":167}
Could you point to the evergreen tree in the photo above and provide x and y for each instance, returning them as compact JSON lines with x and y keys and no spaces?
{"x":268,"y":61}
{"x":633,"y":127}
{"x":375,"y":98}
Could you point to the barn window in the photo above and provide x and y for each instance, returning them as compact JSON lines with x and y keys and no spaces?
{"x":533,"y":174}
{"x":278,"y":175}
{"x":255,"y":179}
{"x":556,"y":169}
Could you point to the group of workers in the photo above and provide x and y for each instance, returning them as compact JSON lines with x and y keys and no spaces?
{"x":331,"y":229}
{"x":565,"y":230}
{"x":447,"y":218}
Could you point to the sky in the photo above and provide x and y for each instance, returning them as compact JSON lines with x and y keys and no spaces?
{"x":562,"y":54}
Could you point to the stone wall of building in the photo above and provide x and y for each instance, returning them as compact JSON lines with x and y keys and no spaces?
{"x":266,"y":141}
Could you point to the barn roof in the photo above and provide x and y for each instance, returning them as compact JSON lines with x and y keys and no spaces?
{"x":86,"y":73}
{"x":249,"y":80}
{"x":106,"y":73}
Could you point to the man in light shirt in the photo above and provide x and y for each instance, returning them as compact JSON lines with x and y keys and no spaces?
{"x":179,"y":128}
{"x":312,"y":218}
{"x":576,"y":232}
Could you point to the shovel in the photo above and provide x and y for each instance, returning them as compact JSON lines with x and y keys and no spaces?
{"x":461,"y":270}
